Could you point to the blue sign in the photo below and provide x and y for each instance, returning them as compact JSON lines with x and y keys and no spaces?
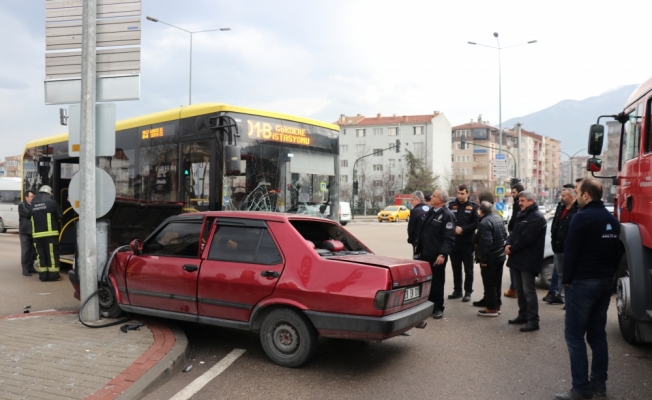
{"x":499,"y":191}
{"x":500,"y":206}
{"x":500,"y":156}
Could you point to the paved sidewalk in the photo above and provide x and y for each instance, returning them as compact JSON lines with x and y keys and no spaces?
{"x":51,"y":355}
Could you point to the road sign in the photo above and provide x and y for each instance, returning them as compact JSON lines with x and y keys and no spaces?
{"x":499,"y":190}
{"x":500,"y":156}
{"x":104,"y":192}
{"x":500,"y":206}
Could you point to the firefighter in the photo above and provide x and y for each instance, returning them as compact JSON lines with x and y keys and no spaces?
{"x":45,"y":215}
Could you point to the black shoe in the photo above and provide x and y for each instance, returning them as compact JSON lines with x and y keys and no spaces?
{"x":467,"y":297}
{"x":549,"y":296}
{"x":556,"y":300}
{"x":455,"y":295}
{"x":26,"y":274}
{"x":480,"y":303}
{"x":570,"y":395}
{"x":529,"y":327}
{"x":599,"y":391}
{"x":517,"y":320}
{"x":438,"y":314}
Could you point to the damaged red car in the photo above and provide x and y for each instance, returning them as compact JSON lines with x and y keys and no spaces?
{"x":292,"y":278}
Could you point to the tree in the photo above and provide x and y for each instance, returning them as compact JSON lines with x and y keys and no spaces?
{"x":420,"y":176}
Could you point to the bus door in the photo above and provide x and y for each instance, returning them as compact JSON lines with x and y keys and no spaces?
{"x":64,"y":171}
{"x":199,"y":177}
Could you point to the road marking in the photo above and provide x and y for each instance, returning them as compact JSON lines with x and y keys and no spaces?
{"x":196,"y":385}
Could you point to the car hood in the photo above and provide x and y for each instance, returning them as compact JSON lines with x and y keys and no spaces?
{"x":404,"y":272}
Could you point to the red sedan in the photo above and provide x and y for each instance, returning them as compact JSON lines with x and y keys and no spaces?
{"x":290,"y":277}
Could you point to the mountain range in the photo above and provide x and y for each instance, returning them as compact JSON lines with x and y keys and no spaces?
{"x":569,"y":120}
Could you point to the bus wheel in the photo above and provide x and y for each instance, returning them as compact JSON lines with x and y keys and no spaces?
{"x":2,"y":226}
{"x":623,"y":303}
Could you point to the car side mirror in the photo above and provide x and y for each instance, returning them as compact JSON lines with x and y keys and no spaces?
{"x":596,"y":137}
{"x":136,"y":246}
{"x":594,"y":164}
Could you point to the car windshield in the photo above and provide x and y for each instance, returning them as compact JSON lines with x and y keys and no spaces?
{"x":391,"y":208}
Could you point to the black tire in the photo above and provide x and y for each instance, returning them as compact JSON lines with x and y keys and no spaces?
{"x":288,"y":338}
{"x":546,"y":272}
{"x":407,"y":219}
{"x":109,"y":307}
{"x":2,"y":226}
{"x":627,"y":324}
{"x":344,"y":223}
{"x":380,"y":220}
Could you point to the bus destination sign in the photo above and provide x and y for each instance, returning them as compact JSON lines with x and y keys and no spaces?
{"x":277,"y":133}
{"x":153,"y":133}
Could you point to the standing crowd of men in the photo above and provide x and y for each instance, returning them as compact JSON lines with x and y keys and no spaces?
{"x":584,"y":239}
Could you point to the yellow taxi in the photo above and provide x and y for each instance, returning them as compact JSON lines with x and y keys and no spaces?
{"x":394,"y":213}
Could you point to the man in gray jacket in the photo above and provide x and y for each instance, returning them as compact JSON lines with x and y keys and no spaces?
{"x":27,"y":252}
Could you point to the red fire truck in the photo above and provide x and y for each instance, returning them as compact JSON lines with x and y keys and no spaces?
{"x":633,"y":208}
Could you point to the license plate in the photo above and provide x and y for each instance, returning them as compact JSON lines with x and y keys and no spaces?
{"x":411,"y":293}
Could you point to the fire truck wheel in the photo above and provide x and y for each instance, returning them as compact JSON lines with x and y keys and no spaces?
{"x":627,"y":324}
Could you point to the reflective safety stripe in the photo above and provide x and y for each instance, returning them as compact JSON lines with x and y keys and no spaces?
{"x":53,"y":264}
{"x":49,"y":219}
{"x":47,"y":233}
{"x":39,"y":269}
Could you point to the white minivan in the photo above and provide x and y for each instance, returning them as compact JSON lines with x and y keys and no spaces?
{"x":345,"y":212}
{"x":9,"y":200}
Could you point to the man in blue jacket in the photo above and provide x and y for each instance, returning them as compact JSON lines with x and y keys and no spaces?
{"x":466,"y":222}
{"x":525,"y":250}
{"x":591,"y":257}
{"x":419,"y":208}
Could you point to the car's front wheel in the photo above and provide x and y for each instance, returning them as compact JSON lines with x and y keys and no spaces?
{"x":546,"y":272}
{"x":2,"y":227}
{"x":288,"y":338}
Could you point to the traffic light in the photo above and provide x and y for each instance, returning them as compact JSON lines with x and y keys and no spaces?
{"x":186,"y":168}
{"x":355,"y":188}
{"x":398,"y":146}
{"x":462,"y":142}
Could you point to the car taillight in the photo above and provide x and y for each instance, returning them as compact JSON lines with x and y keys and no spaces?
{"x":389,"y":299}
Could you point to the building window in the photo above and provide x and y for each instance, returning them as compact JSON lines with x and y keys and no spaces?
{"x":378,"y":167}
{"x":359,"y":133}
{"x":344,"y":131}
{"x":378,"y":152}
{"x":344,"y":178}
{"x":392,"y":131}
{"x":344,"y":163}
{"x":418,"y":130}
{"x":392,"y":193}
{"x":391,"y":178}
{"x":391,"y":163}
{"x":378,"y":183}
{"x":359,"y":148}
{"x":378,"y":199}
{"x":378,"y":131}
{"x":344,"y":148}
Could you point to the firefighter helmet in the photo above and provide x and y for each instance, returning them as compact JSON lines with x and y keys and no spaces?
{"x":45,"y":189}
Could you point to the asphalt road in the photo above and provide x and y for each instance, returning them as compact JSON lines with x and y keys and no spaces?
{"x":461,"y":356}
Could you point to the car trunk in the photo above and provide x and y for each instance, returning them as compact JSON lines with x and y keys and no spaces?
{"x":404,"y":272}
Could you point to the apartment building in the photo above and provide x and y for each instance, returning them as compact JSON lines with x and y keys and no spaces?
{"x":383,"y":174}
{"x":473,"y":165}
{"x":12,"y":166}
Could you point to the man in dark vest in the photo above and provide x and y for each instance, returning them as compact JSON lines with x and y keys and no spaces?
{"x":46,"y":215}
{"x":27,"y":253}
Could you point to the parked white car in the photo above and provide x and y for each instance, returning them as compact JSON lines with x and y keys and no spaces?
{"x":548,"y":263}
{"x":345,"y":212}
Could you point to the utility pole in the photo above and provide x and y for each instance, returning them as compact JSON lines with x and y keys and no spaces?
{"x":518,"y":151}
{"x":87,"y":236}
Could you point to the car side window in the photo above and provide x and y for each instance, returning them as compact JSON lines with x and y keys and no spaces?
{"x":244,"y":244}
{"x":176,"y":239}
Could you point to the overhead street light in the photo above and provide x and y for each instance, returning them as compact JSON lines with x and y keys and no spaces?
{"x":500,"y":111}
{"x":571,"y":162}
{"x":153,"y":19}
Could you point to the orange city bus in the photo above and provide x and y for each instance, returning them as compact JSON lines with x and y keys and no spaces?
{"x":200,"y":157}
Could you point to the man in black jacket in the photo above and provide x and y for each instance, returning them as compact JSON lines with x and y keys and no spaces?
{"x":46,"y":215}
{"x":591,"y":257}
{"x":561,"y":221}
{"x":27,"y":252}
{"x":516,"y":190}
{"x":436,"y":240}
{"x":466,"y":222}
{"x":419,"y":208}
{"x":491,"y":257}
{"x":525,"y":250}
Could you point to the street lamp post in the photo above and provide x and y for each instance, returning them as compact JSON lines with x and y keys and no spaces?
{"x":191,"y":33}
{"x":500,"y":100}
{"x":571,"y":162}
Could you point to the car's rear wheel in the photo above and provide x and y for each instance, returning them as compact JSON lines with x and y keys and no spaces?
{"x":407,"y":219}
{"x":546,"y":272}
{"x":627,"y":324}
{"x":288,"y":338}
{"x":344,"y":223}
{"x":2,"y":226}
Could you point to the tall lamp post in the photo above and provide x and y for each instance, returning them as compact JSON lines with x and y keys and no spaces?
{"x":571,"y":162}
{"x":500,"y":100}
{"x":191,"y":33}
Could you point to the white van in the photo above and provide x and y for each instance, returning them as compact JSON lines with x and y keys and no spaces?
{"x":9,"y":200}
{"x":345,"y":212}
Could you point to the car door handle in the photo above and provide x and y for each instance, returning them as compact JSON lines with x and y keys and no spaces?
{"x":190,"y":268}
{"x":270,"y":274}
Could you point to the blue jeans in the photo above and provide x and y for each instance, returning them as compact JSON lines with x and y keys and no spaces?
{"x":587,"y":302}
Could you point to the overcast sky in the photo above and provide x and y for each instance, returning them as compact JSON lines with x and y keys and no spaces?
{"x":320,"y":59}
